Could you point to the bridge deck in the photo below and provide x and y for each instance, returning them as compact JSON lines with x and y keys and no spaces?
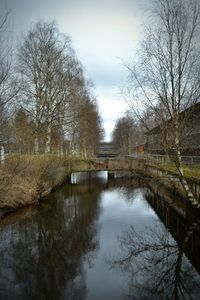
{"x":106,"y":164}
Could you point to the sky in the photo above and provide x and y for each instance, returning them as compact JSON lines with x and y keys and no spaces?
{"x":104,"y":33}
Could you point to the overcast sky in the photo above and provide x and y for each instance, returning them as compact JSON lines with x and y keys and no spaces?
{"x":103,"y":33}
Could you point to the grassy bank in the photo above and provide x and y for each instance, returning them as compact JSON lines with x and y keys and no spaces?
{"x":189,"y":171}
{"x":169,"y":174}
{"x":25,"y":179}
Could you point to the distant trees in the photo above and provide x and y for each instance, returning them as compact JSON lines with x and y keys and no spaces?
{"x":88,"y":131}
{"x":126,"y":135}
{"x":167,"y":79}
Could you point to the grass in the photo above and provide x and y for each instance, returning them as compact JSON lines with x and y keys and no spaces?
{"x":192,"y":172}
{"x":24,"y":178}
{"x":189,"y":171}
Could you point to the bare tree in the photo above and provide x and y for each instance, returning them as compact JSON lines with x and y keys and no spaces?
{"x":5,"y":58}
{"x":8,"y":86}
{"x":89,"y":129}
{"x":55,"y":92}
{"x":167,"y":79}
{"x":42,"y":57}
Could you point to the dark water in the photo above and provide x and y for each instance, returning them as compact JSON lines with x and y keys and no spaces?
{"x":100,"y":240}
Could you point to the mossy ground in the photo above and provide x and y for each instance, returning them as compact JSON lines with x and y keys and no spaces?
{"x":190,"y":171}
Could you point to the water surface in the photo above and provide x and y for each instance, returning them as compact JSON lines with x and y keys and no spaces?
{"x":95,"y":239}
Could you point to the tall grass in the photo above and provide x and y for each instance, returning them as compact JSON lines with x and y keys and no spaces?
{"x":24,"y":178}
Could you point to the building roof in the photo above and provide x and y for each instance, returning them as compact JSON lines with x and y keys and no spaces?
{"x":192,"y":111}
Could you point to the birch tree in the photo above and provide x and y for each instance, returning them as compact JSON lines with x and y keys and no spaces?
{"x":8,"y":86}
{"x":55,"y":92}
{"x":42,"y":56}
{"x":167,"y":78}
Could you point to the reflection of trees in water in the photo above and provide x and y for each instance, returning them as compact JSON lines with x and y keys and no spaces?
{"x":43,"y":258}
{"x":156,"y":265}
{"x":129,"y":195}
{"x":128,"y":188}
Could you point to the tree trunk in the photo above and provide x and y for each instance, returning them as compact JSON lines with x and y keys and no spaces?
{"x":61,"y":149}
{"x":179,"y":167}
{"x":2,"y":154}
{"x":49,"y":129}
{"x":36,"y":145}
{"x":48,"y":142}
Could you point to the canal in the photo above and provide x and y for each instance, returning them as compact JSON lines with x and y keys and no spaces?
{"x":97,"y":239}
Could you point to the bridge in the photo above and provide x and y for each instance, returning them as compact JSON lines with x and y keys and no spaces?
{"x":105,"y":164}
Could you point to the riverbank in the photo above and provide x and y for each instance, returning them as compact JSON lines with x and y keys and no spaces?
{"x":171,"y":177}
{"x":25,"y":180}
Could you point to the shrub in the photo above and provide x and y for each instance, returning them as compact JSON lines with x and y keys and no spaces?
{"x":24,"y":178}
